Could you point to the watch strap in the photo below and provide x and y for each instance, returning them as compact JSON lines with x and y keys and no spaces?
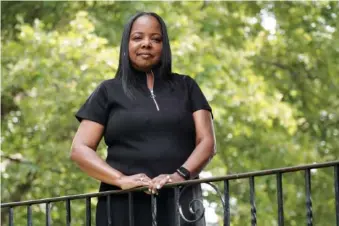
{"x":185,"y":173}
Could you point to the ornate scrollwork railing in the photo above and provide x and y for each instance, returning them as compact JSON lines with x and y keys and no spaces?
{"x":195,"y":206}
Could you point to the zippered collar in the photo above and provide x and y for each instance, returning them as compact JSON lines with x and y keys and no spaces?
{"x":141,"y":79}
{"x":140,"y":75}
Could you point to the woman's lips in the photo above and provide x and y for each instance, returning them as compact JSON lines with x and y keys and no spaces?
{"x":145,"y":55}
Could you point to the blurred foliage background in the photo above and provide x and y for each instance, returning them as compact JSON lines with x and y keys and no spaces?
{"x":269,"y":69}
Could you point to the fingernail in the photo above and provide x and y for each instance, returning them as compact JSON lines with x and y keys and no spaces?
{"x":158,"y":186}
{"x":170,"y":180}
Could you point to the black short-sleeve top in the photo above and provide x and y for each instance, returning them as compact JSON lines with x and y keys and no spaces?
{"x":146,"y":135}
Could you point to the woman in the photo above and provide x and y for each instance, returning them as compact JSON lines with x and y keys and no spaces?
{"x":157,"y":126}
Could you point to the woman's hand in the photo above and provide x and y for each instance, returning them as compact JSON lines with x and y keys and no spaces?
{"x":158,"y":182}
{"x":133,"y":181}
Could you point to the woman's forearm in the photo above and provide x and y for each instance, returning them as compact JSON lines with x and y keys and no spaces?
{"x":202,"y":154}
{"x":89,"y":162}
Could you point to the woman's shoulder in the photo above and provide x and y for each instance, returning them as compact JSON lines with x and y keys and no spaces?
{"x":182,"y":78}
{"x":110,"y":82}
{"x":109,"y":87}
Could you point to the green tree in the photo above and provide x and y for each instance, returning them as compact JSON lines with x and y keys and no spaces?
{"x":274,"y":93}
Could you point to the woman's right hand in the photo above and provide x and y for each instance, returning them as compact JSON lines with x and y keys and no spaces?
{"x":133,"y":181}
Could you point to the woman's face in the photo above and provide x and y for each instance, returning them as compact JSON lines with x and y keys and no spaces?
{"x":145,"y":43}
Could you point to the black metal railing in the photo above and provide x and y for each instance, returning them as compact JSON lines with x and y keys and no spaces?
{"x":179,"y":215}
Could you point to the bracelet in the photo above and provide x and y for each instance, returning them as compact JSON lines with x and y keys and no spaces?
{"x":182,"y":171}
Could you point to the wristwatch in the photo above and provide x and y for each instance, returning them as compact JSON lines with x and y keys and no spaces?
{"x":182,"y":171}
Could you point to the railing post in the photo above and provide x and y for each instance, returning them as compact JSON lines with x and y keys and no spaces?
{"x":336,"y":190}
{"x":309,"y":214}
{"x":88,"y":211}
{"x":154,"y":210}
{"x":280,"y":200}
{"x":176,"y":206}
{"x":227,"y":203}
{"x":108,"y":210}
{"x":29,"y":215}
{"x":130,"y":209}
{"x":68,"y":212}
{"x":252,"y":200}
{"x":48,"y":214}
{"x":10,"y":216}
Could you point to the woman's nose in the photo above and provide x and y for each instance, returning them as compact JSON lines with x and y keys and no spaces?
{"x":146,"y":43}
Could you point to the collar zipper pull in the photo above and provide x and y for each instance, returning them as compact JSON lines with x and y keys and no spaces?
{"x":154,"y":100}
{"x":152,"y":93}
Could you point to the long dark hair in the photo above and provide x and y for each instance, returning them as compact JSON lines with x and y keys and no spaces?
{"x":125,"y":71}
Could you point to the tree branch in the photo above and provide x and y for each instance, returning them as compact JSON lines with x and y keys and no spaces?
{"x":16,"y":159}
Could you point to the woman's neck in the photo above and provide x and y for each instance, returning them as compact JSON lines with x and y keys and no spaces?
{"x":150,"y":80}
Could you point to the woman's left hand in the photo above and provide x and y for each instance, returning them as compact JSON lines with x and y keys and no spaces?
{"x":159,"y":181}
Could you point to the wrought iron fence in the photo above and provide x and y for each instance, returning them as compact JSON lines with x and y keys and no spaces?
{"x":224,"y":197}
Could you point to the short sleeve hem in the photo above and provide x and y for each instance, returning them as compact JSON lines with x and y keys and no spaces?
{"x":95,"y":107}
{"x":197,"y":98}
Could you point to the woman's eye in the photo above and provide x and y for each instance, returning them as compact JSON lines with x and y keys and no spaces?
{"x":137,"y":38}
{"x":157,"y":39}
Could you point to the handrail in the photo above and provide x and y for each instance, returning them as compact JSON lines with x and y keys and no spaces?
{"x":189,"y":182}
